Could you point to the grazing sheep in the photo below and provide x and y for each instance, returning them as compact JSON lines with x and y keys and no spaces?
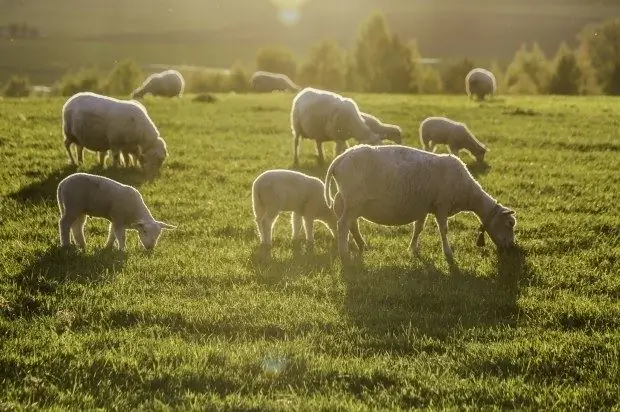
{"x":395,"y":185}
{"x":101,"y":123}
{"x":440,"y":130}
{"x":479,"y":83}
{"x":81,"y":195}
{"x":280,"y":190}
{"x":324,"y":116}
{"x":169,"y":83}
{"x":267,"y":82}
{"x":386,"y":131}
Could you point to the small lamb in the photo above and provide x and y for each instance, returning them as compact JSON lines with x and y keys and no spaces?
{"x":81,"y":195}
{"x":267,"y":82}
{"x":386,"y":131}
{"x":395,"y":185}
{"x":440,"y":130}
{"x":169,"y":83}
{"x":479,"y":83}
{"x":280,"y":190}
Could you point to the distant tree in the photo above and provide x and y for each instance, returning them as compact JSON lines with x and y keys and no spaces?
{"x":84,"y":80}
{"x":600,"y":43}
{"x":325,"y":66}
{"x":13,"y":30}
{"x":238,"y":78}
{"x":498,"y":72}
{"x":531,"y":63}
{"x":453,"y":76}
{"x":352,"y":79}
{"x":277,"y":59}
{"x":383,"y":62}
{"x":431,"y":82}
{"x":124,"y":77}
{"x":567,"y":76}
{"x":17,"y":86}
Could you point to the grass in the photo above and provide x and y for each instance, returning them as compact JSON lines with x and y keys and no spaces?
{"x":200,"y":324}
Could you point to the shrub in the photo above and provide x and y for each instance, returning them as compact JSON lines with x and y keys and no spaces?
{"x":277,"y":59}
{"x":84,"y":80}
{"x":17,"y":86}
{"x":599,"y":44}
{"x":124,"y":77}
{"x":206,"y":81}
{"x":566,"y":78}
{"x":325,"y":66}
{"x":238,"y":79}
{"x":532,"y":63}
{"x":453,"y":76}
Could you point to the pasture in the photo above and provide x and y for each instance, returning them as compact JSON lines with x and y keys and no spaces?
{"x":201,"y":324}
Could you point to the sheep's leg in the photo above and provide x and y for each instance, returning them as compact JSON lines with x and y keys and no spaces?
{"x":79,"y":150}
{"x":418,"y":225}
{"x":319,"y":152}
{"x":309,"y":228}
{"x":111,"y":237}
{"x":64,"y":229}
{"x":341,"y":146}
{"x":77,"y":228}
{"x":344,"y":226}
{"x":454,"y":149}
{"x":267,"y":222}
{"x":296,"y":226}
{"x":296,"y":138}
{"x":359,"y":240}
{"x":442,"y":224}
{"x":119,"y":232}
{"x":68,"y":144}
{"x":116,"y":158}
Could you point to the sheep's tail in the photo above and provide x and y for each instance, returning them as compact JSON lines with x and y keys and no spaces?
{"x":328,"y":180}
{"x":257,"y":203}
{"x":61,"y":205}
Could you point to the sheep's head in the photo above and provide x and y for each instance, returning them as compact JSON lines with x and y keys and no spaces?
{"x":153,"y":157}
{"x":500,"y":225}
{"x":149,"y":231}
{"x":395,"y":134}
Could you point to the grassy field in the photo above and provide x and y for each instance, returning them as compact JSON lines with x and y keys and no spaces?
{"x":201,"y":324}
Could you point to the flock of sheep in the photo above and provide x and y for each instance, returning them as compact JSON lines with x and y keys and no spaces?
{"x":385,"y":184}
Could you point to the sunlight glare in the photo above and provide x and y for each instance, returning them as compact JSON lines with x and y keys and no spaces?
{"x":289,"y":11}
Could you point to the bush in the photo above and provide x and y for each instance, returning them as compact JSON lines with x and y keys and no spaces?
{"x":532,"y":64}
{"x":206,"y":81}
{"x":567,"y":76}
{"x":238,"y":79}
{"x":453,"y":76}
{"x":325,"y":66}
{"x":124,"y":77}
{"x":18,"y":86}
{"x":599,"y":44}
{"x":431,"y":82}
{"x":84,"y":80}
{"x":277,"y":59}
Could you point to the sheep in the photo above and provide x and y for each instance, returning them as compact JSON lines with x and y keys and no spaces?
{"x":101,"y":123}
{"x":441,"y":130}
{"x":267,"y":82}
{"x":325,"y":116}
{"x":280,"y":190}
{"x":386,"y":131}
{"x":82,"y":195}
{"x":479,"y":83}
{"x":394,"y":185}
{"x":169,"y":83}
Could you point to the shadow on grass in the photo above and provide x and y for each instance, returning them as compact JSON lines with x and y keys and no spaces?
{"x":39,"y":281}
{"x":391,"y":300}
{"x":478,"y":169}
{"x":44,"y":190}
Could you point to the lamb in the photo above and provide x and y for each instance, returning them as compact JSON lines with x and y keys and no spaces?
{"x":169,"y":83}
{"x":395,"y":185}
{"x":386,"y":131}
{"x":81,"y":195}
{"x":280,"y":190}
{"x":101,"y":123}
{"x":479,"y":83}
{"x":324,"y":116}
{"x":441,"y":130}
{"x":267,"y":82}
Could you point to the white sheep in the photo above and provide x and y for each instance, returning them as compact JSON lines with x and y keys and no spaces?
{"x":386,"y":131}
{"x":267,"y":82}
{"x":395,"y":185}
{"x":279,"y":190}
{"x":101,"y":123}
{"x":324,"y":116}
{"x":441,"y":130}
{"x":169,"y":83}
{"x":480,"y":83}
{"x":82,"y":195}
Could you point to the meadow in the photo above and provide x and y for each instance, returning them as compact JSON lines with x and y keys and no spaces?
{"x":202,"y":324}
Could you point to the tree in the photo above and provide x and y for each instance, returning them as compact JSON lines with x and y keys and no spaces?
{"x":531,"y":63}
{"x":238,"y":78}
{"x":325,"y":67}
{"x":566,"y":78}
{"x":600,"y":45}
{"x":277,"y":59}
{"x":125,"y":76}
{"x":453,"y":76}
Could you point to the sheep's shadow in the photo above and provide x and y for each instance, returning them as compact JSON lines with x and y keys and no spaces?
{"x":41,"y":279}
{"x":391,"y":301}
{"x":44,"y":189}
{"x":478,"y":168}
{"x":272,"y":269}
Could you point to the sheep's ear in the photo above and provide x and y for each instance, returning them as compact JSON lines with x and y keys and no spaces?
{"x":508,"y":212}
{"x":164,"y":225}
{"x":137,"y":225}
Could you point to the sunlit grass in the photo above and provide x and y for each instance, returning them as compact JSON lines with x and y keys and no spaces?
{"x":201,"y":324}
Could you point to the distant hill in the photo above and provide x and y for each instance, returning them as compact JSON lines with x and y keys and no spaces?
{"x":479,"y":29}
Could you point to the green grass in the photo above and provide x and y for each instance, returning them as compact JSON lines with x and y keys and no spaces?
{"x":201,"y":324}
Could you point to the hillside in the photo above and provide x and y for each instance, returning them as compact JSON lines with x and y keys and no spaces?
{"x":178,"y":31}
